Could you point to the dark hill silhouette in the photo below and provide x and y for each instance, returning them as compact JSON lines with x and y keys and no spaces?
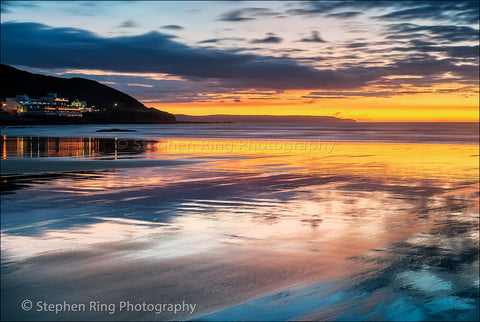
{"x":128,"y":110}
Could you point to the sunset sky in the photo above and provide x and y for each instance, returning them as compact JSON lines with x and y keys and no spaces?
{"x":366,"y":60}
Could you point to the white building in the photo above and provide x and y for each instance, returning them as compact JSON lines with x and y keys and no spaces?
{"x":48,"y":105}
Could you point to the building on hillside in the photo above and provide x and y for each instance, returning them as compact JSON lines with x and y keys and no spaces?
{"x":81,"y":105}
{"x":47,"y":105}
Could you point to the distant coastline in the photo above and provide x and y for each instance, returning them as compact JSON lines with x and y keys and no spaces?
{"x":262,"y":118}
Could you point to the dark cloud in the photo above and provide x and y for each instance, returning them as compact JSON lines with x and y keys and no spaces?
{"x":357,"y":45}
{"x":246,"y":14}
{"x":129,"y":24}
{"x":311,"y":59}
{"x":446,"y":33}
{"x":292,"y":50}
{"x":315,"y":37}
{"x":23,"y":43}
{"x":317,"y":95}
{"x":217,"y":40}
{"x":271,"y":39}
{"x":432,"y":39}
{"x":346,"y":14}
{"x":458,"y":11}
{"x":457,"y":52}
{"x":463,"y":12}
{"x":235,"y":15}
{"x":463,"y":51}
{"x":327,"y":7}
{"x":211,"y":41}
{"x":8,"y":6}
{"x":172,"y":27}
{"x":432,"y":66}
{"x":395,"y":36}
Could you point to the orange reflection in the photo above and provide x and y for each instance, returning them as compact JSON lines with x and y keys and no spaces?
{"x":435,"y":161}
{"x":34,"y":147}
{"x":4,"y":148}
{"x":374,"y":160}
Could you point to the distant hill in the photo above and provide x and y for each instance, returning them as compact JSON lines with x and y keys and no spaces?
{"x":15,"y":82}
{"x":261,"y":118}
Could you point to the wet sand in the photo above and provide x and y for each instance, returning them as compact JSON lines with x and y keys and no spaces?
{"x":363,"y":232}
{"x":55,"y":165}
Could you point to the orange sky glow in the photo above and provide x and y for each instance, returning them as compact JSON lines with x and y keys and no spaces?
{"x":457,"y":107}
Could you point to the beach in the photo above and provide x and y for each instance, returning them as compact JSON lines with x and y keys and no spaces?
{"x":241,"y":222}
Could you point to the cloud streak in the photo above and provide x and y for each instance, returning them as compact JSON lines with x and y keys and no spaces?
{"x":218,"y":40}
{"x":315,"y":37}
{"x":129,"y":24}
{"x":270,"y":39}
{"x":466,"y":12}
{"x":443,"y":33}
{"x":246,"y":14}
{"x":172,"y":27}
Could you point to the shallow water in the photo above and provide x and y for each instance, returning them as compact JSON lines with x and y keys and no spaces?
{"x":402,"y":132}
{"x":334,"y":230}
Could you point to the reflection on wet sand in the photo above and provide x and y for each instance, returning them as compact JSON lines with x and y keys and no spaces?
{"x":363,"y":232}
{"x":90,"y":147}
